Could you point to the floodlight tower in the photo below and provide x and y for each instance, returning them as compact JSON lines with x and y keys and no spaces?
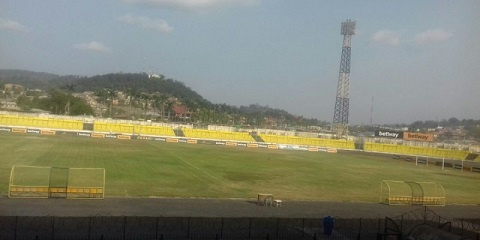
{"x":340,"y":116}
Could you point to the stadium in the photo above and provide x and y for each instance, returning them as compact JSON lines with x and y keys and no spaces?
{"x":137,"y":155}
{"x":210,"y":184}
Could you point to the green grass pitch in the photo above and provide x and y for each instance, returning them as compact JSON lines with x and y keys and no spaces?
{"x":141,"y":168}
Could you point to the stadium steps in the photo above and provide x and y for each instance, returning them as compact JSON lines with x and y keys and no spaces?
{"x":88,"y":126}
{"x":256,"y":137}
{"x":359,"y":144}
{"x":179,"y":132}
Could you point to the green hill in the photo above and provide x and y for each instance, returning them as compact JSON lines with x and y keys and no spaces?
{"x":140,"y":86}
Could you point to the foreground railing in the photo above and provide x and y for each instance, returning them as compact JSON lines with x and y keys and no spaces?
{"x":122,"y":227}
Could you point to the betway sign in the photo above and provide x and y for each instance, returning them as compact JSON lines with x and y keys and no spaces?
{"x":389,"y":134}
{"x":410,"y":136}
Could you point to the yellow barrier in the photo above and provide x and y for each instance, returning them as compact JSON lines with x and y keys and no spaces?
{"x":132,"y":129}
{"x":414,"y":150}
{"x":202,"y":133}
{"x":320,"y":142}
{"x":154,"y":130}
{"x":41,"y":122}
{"x":113,"y":127}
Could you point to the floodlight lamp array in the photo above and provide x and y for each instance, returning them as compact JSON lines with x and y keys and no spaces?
{"x":348,"y":27}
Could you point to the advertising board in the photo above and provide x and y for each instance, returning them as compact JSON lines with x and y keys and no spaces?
{"x":124,"y":137}
{"x":48,"y":132}
{"x":172,"y":140}
{"x":98,"y":135}
{"x":84,"y":134}
{"x":5,"y":129}
{"x":34,"y":131}
{"x":389,"y":134}
{"x":413,"y":136}
{"x":19,"y":130}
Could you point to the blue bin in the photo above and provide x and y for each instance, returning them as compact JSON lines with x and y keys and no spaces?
{"x":328,"y":223}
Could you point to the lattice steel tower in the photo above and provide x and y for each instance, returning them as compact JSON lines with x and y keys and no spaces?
{"x":340,"y":116}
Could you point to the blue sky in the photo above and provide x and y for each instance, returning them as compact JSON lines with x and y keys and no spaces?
{"x":419,"y":60}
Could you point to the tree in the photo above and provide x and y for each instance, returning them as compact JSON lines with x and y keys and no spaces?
{"x":169,"y":107}
{"x":453,"y":122}
{"x":158,"y":103}
{"x":57,"y":103}
{"x":25,"y":103}
{"x":69,"y":87}
{"x":146,"y":98}
{"x":192,"y":108}
{"x":2,"y":88}
{"x":163,"y":99}
{"x":132,"y":94}
{"x":475,"y":132}
{"x":416,"y":125}
{"x":102,"y":96}
{"x":112,"y":95}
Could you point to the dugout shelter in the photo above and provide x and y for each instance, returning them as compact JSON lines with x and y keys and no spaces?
{"x":412,"y":193}
{"x":56,"y":182}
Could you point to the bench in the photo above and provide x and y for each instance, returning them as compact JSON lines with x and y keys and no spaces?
{"x":415,"y":200}
{"x":265,"y":199}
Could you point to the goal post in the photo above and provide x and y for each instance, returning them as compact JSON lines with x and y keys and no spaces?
{"x":56,"y":182}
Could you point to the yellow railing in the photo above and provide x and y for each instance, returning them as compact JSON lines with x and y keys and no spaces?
{"x":41,"y":122}
{"x":415,"y":150}
{"x":132,"y":129}
{"x":320,"y":142}
{"x":202,"y":133}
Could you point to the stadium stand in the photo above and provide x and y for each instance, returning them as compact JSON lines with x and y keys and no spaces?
{"x":113,"y":127}
{"x":320,"y":142}
{"x":60,"y":122}
{"x":154,"y":130}
{"x":256,"y":137}
{"x":132,"y":129}
{"x":40,"y":122}
{"x":221,"y":135}
{"x":415,"y":150}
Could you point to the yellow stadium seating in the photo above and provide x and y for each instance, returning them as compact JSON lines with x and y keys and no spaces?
{"x":54,"y":123}
{"x":221,"y":135}
{"x":415,"y":150}
{"x":154,"y":130}
{"x":40,"y":122}
{"x":133,"y":129}
{"x":113,"y":127}
{"x":320,"y":142}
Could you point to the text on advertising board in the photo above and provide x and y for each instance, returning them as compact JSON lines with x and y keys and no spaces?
{"x":389,"y":134}
{"x":410,"y":136}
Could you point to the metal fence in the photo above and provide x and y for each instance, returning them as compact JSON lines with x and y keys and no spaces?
{"x":469,"y":228}
{"x":166,"y":228}
{"x":109,"y":227}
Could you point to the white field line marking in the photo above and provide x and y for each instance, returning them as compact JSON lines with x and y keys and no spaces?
{"x":197,"y":168}
{"x":203,"y":171}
